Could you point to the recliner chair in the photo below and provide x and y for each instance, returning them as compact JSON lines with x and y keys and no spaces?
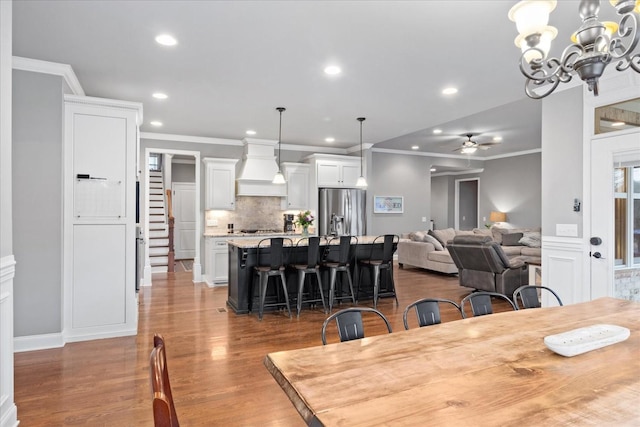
{"x":483,"y":265}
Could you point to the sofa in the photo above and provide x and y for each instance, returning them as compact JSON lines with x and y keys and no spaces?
{"x":428,"y":249}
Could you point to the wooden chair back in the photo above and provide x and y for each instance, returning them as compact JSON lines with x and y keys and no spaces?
{"x":164,"y":411}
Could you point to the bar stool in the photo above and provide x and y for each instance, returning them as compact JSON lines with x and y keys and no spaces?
{"x":376,"y":265}
{"x":268,"y":265}
{"x":311,"y":266}
{"x":339,"y":264}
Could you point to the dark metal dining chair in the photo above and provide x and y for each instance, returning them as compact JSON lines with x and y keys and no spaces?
{"x":481,"y":303}
{"x":428,"y":311}
{"x":528,"y":296}
{"x":376,"y":265}
{"x":339,"y":262}
{"x":349,"y":323}
{"x":270,"y":263}
{"x":311,"y":266}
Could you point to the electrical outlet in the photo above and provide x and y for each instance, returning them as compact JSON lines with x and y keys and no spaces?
{"x":212,"y":223}
{"x":424,"y":219}
{"x":567,"y":230}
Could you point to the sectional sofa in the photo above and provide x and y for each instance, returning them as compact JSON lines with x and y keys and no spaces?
{"x":428,"y":249}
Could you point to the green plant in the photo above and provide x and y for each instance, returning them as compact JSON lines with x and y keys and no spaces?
{"x":304,"y":219}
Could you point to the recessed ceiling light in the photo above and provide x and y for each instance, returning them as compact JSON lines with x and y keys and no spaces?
{"x":437,"y":131}
{"x":166,"y":40}
{"x":449,"y":91}
{"x":332,"y":70}
{"x":432,"y":169}
{"x":155,"y":123}
{"x":618,"y":124}
{"x":497,"y":138}
{"x":250,"y":132}
{"x":414,"y":147}
{"x":160,"y":95}
{"x":330,"y":139}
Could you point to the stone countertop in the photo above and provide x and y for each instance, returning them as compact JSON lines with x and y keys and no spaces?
{"x":253,"y":243}
{"x":256,"y":235}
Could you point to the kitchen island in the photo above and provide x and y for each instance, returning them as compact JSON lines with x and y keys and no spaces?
{"x":243,"y":257}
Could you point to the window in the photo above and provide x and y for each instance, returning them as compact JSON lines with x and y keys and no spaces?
{"x":155,"y":162}
{"x":627,"y":216}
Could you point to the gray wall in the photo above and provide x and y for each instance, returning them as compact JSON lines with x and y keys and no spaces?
{"x":5,"y":130}
{"x":510,"y":184}
{"x":182,"y":172}
{"x":37,"y":202}
{"x":440,"y":201}
{"x":562,"y":166}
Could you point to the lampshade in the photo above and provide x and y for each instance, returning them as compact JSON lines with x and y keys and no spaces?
{"x":531,"y":15}
{"x":547,"y":34}
{"x":496,"y":216}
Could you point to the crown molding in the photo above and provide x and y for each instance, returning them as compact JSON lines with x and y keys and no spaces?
{"x":45,"y":67}
{"x":454,"y":156}
{"x":516,"y":154}
{"x":188,"y":138}
{"x":454,"y":173}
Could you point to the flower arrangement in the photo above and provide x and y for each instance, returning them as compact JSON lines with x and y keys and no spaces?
{"x":304,"y":219}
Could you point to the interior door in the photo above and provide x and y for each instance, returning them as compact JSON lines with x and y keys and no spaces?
{"x":606,"y":152}
{"x":184,"y":202}
{"x":467,"y":204}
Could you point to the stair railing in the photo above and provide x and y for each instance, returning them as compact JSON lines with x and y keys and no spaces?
{"x":170,"y":221}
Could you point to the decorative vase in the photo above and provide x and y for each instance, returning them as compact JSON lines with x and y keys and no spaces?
{"x":305,"y":231}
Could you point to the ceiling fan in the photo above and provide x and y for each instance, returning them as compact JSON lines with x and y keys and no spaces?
{"x":469,"y":146}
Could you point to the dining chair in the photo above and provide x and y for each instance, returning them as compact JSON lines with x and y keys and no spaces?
{"x":311,"y":266}
{"x":270,"y":262}
{"x":377,"y":264}
{"x":164,"y":411}
{"x":428,"y":311}
{"x":528,"y":296}
{"x":339,"y":262}
{"x":481,"y":302}
{"x":349,"y":323}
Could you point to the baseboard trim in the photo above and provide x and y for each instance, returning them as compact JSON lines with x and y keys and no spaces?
{"x":37,"y":342}
{"x":100,"y":335}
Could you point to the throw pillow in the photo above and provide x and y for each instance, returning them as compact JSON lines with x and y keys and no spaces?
{"x":512,"y":239}
{"x":443,"y":235}
{"x":498,"y":232}
{"x":483,"y":232}
{"x":418,"y":236}
{"x":436,"y":244}
{"x":531,"y":239}
{"x":465,"y":233}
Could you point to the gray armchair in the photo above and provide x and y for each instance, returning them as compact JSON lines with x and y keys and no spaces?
{"x":483,"y":265}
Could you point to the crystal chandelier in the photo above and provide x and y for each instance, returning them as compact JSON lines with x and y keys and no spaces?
{"x":595,"y":44}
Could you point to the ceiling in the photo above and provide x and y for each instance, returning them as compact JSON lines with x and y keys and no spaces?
{"x":236,"y":61}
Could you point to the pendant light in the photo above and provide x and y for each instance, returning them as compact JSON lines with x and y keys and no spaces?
{"x":361,"y":183}
{"x":279,"y":178}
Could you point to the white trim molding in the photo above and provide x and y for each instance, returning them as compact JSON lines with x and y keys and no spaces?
{"x":37,"y":342}
{"x":8,"y":410}
{"x":45,"y":67}
{"x":562,"y":268}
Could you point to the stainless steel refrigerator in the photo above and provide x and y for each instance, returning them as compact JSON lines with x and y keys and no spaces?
{"x":342,"y":211}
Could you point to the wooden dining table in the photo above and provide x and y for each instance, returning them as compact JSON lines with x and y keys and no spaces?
{"x":492,"y":370}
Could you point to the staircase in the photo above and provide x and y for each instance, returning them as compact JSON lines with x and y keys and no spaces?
{"x":158,"y":228}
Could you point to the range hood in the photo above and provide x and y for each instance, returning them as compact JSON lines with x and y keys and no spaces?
{"x":259,"y":166}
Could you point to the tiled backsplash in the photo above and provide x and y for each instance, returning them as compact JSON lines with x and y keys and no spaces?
{"x":261,"y":213}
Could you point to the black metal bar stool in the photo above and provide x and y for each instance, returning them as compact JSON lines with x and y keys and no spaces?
{"x":268,"y":265}
{"x":378,"y":264}
{"x":339,"y":264}
{"x":311,"y":266}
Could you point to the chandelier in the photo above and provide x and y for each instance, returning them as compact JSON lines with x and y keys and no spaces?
{"x":595,"y":44}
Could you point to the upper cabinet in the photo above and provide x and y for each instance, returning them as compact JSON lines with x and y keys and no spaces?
{"x":220,"y":180}
{"x":297,"y":177}
{"x":337,"y":172}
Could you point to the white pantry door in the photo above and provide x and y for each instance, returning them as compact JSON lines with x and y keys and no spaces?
{"x":184,"y":211}
{"x":606,"y":153}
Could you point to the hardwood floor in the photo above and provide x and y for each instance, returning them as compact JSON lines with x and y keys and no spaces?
{"x":214,"y":359}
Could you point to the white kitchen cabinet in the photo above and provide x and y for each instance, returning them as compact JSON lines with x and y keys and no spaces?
{"x":216,"y":261}
{"x":337,"y":173}
{"x":297,"y":177}
{"x":101,"y":137}
{"x":220,"y":181}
